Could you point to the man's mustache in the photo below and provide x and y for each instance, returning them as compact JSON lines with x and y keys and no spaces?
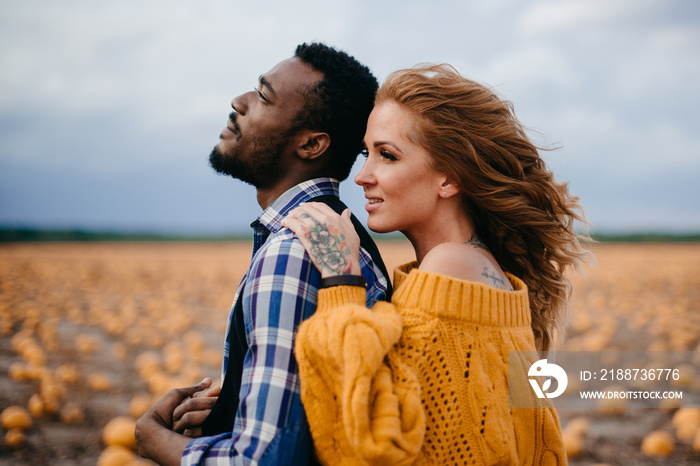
{"x":234,"y":124}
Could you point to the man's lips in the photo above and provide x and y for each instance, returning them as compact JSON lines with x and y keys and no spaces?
{"x":232,"y":127}
{"x":227,"y":132}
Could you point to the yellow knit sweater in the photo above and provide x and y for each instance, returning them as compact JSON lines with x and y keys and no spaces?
{"x":421,"y":380}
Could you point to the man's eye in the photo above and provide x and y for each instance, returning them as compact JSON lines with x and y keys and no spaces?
{"x":261,"y":95}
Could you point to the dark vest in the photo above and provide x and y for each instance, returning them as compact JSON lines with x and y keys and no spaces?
{"x":222,"y":416}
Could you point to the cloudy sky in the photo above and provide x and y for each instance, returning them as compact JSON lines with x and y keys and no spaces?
{"x":109,"y":109}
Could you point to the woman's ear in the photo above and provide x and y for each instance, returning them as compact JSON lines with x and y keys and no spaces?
{"x":448,"y":188}
{"x":312,"y":145}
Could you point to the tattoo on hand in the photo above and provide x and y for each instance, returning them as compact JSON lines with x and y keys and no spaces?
{"x":496,"y":280}
{"x":328,"y":247}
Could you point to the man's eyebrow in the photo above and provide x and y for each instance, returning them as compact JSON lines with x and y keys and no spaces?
{"x":265,"y":83}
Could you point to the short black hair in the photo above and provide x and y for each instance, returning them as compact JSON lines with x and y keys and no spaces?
{"x":340,"y":104}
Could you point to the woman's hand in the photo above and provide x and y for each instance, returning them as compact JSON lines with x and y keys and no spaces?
{"x":329,"y":238}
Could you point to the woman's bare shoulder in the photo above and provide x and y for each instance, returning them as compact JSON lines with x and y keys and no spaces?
{"x":465,"y":261}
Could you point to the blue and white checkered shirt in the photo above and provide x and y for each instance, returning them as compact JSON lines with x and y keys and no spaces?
{"x":279,"y":291}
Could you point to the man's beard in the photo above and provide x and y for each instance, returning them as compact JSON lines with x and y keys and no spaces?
{"x":261,"y":168}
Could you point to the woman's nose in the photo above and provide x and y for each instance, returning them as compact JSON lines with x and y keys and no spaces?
{"x":365,"y":176}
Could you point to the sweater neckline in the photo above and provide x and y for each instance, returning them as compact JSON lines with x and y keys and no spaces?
{"x":452,"y":298}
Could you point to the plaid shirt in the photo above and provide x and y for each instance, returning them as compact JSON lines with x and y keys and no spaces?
{"x":279,"y":291}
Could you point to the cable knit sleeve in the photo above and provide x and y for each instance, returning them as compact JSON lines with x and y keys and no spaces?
{"x":360,"y":409}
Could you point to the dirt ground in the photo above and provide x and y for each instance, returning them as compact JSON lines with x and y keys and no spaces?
{"x":148,"y":317}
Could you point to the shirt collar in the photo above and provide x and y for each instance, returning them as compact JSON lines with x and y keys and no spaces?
{"x":272,"y":217}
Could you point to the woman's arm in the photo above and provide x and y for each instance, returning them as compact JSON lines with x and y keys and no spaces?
{"x":361,"y":409}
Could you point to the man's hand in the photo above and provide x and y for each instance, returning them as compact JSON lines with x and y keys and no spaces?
{"x":188,"y":417}
{"x":155,"y":438}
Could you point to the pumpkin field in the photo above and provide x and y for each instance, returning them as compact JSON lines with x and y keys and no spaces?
{"x":92,"y":333}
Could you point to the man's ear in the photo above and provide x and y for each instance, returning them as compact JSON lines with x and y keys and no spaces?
{"x":312,"y":145}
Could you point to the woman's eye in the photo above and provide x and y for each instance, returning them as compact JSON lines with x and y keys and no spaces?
{"x":364,"y":153}
{"x":387,"y":155}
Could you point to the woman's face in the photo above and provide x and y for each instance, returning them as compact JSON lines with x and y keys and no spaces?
{"x":401,"y":187}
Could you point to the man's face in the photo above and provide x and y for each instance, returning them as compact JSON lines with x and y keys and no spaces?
{"x":259,"y":133}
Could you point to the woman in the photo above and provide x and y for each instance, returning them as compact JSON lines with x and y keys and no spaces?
{"x":424,"y":379}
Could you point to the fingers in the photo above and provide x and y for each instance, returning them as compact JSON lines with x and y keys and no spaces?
{"x":294,"y":224}
{"x":191,"y":413}
{"x":308,"y":216}
{"x":191,"y":390}
{"x":161,"y":413}
{"x":171,"y":401}
{"x":316,"y":210}
{"x":346,"y":218}
{"x":314,"y":215}
{"x":195,"y":432}
{"x":191,"y":421}
{"x":212,"y":391}
{"x":193,"y":405}
{"x":319,"y":208}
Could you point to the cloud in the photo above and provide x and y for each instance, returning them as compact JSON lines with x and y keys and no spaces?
{"x":661,"y":145}
{"x":532,"y":65}
{"x":664,"y":62}
{"x":572,"y":16}
{"x":103,"y":94}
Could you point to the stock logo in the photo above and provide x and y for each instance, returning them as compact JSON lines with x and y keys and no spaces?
{"x":543,"y":369}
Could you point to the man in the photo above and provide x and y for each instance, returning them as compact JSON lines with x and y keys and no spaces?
{"x":293,"y":138}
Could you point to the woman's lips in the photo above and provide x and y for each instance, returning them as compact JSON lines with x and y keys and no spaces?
{"x":373,"y":203}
